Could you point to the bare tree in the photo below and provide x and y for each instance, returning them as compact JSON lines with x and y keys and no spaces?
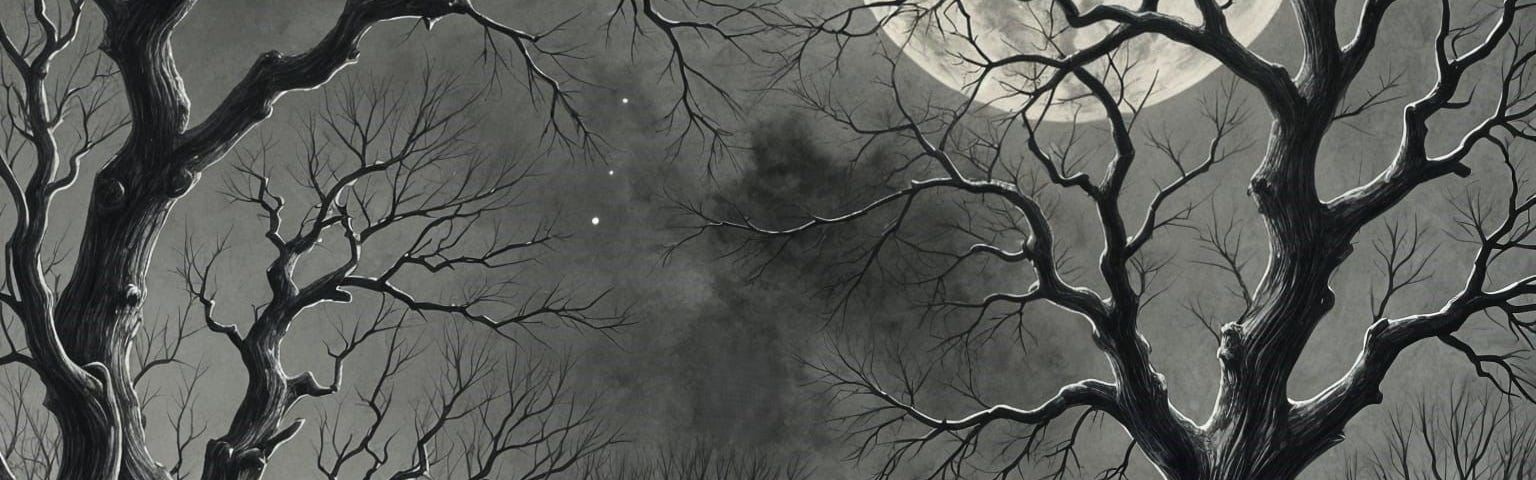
{"x":62,"y":105}
{"x":700,"y":461}
{"x":1471,"y":433}
{"x":31,"y":445}
{"x":390,"y":177}
{"x":1006,"y":170}
{"x":485,"y":418}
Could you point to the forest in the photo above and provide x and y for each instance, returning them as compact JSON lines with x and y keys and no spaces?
{"x":768,"y":239}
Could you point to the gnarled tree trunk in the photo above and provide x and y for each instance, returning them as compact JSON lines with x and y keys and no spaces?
{"x":256,"y":430}
{"x":99,"y":310}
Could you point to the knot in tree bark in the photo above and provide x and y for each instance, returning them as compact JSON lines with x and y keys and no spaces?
{"x":181,"y":182}
{"x":110,"y":193}
{"x":1231,"y":342}
{"x":132,"y":296}
{"x":1260,"y":187}
{"x":98,"y":371}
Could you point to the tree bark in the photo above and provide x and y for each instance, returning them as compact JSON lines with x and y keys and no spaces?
{"x":90,"y":442}
{"x":255,"y":431}
{"x":1250,"y":430}
{"x":100,"y":310}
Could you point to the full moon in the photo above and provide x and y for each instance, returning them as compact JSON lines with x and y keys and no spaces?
{"x":1155,"y":68}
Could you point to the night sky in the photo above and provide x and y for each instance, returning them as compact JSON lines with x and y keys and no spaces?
{"x":716,"y":353}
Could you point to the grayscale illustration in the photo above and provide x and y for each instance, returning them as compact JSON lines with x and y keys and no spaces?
{"x":768,"y":239}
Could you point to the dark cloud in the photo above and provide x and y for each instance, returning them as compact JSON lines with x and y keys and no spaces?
{"x":716,"y":355}
{"x":727,"y":321}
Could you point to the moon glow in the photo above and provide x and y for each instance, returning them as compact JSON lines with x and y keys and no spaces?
{"x":1159,"y":69}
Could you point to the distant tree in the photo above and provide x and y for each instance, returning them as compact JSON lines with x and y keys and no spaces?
{"x":700,"y":462}
{"x":486,"y":417}
{"x":1466,"y":434}
{"x":1005,"y":175}
{"x":31,"y":445}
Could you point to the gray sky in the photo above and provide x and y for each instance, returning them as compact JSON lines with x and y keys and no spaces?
{"x":714,"y":357}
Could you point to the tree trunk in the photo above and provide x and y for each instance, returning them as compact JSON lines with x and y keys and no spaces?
{"x":100,"y":310}
{"x":1251,"y":465}
{"x":90,"y":444}
{"x":254,"y":433}
{"x":256,"y":430}
{"x":1250,"y":429}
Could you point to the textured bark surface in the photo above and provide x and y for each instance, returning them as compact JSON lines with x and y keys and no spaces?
{"x":256,"y":429}
{"x":100,"y":312}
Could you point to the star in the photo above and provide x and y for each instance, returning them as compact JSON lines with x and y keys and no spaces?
{"x":624,"y":100}
{"x":610,"y":173}
{"x":595,"y":220}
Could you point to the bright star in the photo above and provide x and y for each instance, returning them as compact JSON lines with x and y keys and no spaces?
{"x":595,"y":220}
{"x":610,"y":173}
{"x":624,"y":100}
